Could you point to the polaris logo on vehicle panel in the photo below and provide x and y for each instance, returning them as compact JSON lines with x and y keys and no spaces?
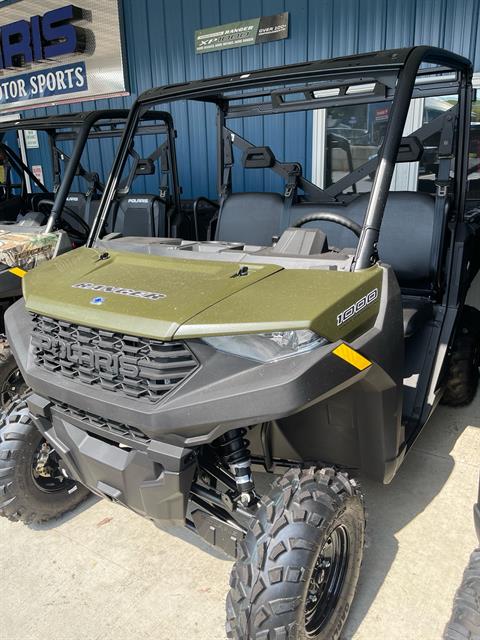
{"x":360,"y":305}
{"x":91,"y":357}
{"x":137,"y":201}
{"x":133,"y":293}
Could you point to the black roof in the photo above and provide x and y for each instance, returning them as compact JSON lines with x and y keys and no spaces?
{"x":64,"y":120}
{"x":212,"y":89}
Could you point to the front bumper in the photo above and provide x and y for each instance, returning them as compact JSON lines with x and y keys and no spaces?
{"x":153,"y":480}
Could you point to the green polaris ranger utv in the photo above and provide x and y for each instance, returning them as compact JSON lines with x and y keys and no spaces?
{"x":42,"y":219}
{"x":311,"y":336}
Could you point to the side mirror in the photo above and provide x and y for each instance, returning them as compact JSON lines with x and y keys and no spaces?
{"x":410,"y":150}
{"x":145,"y":167}
{"x":258,"y":158}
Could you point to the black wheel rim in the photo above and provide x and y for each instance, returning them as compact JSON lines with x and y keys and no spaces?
{"x":13,"y":386}
{"x":46,"y":471}
{"x":327,"y":581}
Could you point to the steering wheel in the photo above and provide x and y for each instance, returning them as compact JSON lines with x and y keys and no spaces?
{"x":76,"y":228}
{"x":330,"y":217}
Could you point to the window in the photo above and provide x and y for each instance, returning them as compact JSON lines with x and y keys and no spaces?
{"x":354,"y":134}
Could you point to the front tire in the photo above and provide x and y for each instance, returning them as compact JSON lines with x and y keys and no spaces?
{"x":32,"y":485}
{"x":298,"y":572}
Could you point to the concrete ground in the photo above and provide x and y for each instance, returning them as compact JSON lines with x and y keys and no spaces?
{"x":104,"y":573}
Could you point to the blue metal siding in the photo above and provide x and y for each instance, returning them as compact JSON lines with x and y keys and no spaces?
{"x":159,"y":49}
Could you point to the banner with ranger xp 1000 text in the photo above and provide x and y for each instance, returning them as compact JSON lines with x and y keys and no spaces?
{"x":51,"y":52}
{"x":242,"y":33}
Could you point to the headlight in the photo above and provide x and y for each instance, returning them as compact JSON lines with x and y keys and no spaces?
{"x":268,"y":347}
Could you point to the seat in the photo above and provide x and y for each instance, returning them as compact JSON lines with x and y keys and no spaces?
{"x":37,"y":197}
{"x":77,"y":202}
{"x":416,"y":313}
{"x":12,"y":208}
{"x":408,"y":242}
{"x":407,"y":239}
{"x":140,"y":215}
{"x":252,"y":218}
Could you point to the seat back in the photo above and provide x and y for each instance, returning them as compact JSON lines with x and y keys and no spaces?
{"x":77,"y":202}
{"x":140,"y":215}
{"x":407,"y":239}
{"x":408,"y":236}
{"x":11,"y":208}
{"x":252,"y":218}
{"x":37,"y":197}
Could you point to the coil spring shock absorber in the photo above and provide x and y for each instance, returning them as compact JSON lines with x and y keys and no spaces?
{"x":233,"y":450}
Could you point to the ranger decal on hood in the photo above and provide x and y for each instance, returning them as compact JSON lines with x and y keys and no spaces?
{"x":135,"y":293}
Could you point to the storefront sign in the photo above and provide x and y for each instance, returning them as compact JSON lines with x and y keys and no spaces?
{"x":31,"y":138}
{"x":42,"y":37}
{"x":240,"y":34}
{"x":66,"y":79}
{"x":37,"y":171}
{"x":66,"y":53}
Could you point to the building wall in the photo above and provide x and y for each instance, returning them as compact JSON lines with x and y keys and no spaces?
{"x":159,"y":47}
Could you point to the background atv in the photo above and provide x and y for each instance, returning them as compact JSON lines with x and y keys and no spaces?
{"x":38,"y":222}
{"x":312,"y":337}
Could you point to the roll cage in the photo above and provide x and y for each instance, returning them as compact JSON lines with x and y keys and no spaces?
{"x":396,"y":75}
{"x":79,"y":128}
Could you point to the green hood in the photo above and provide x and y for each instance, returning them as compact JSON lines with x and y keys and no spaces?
{"x":199,"y":297}
{"x":188,"y":286}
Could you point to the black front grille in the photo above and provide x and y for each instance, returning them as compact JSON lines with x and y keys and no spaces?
{"x":95,"y":423}
{"x":140,"y":368}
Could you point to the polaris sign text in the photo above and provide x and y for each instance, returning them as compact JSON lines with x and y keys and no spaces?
{"x":66,"y":53}
{"x":42,"y":38}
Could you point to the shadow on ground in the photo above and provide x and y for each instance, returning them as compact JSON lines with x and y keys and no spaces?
{"x":53,"y":524}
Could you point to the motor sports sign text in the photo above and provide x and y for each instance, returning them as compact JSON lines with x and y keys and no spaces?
{"x":61,"y":80}
{"x":64,"y":51}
